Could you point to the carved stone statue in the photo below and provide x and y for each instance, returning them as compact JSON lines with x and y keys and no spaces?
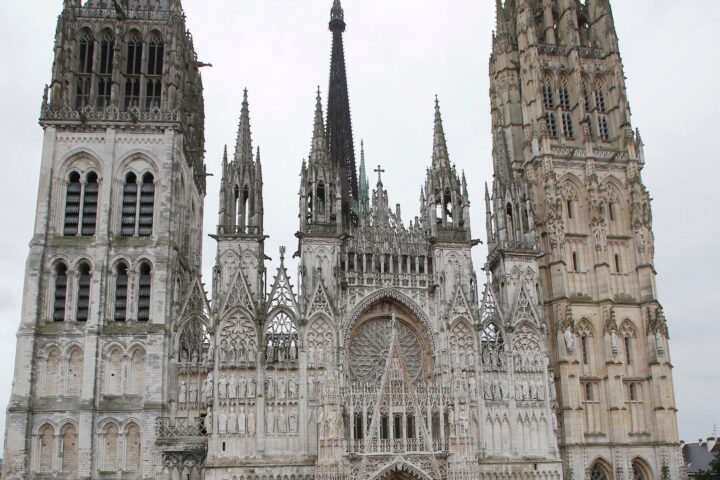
{"x":241,"y":421}
{"x":614,"y":342}
{"x":251,"y":422}
{"x":251,"y":388}
{"x":232,"y":387}
{"x":569,"y":339}
{"x":232,"y":421}
{"x":182,"y":393}
{"x":222,"y":387}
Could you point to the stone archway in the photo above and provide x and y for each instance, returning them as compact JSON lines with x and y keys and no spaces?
{"x":401,"y":471}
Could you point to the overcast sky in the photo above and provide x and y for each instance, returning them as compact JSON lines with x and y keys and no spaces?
{"x":400,"y":53}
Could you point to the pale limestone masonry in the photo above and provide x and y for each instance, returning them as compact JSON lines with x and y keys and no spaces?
{"x":384,"y":359}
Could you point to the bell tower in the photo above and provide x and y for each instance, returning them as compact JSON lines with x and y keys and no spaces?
{"x":568,"y":181}
{"x":117,"y":241}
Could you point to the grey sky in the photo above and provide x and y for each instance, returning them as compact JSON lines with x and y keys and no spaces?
{"x":400,"y":53}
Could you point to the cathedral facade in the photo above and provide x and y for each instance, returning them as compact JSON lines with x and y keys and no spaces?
{"x":387,"y":357}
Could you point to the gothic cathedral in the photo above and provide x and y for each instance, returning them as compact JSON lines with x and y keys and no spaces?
{"x":386,"y":358}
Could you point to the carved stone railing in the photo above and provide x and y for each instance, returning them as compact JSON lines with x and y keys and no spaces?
{"x":324,"y":229}
{"x":547,"y":49}
{"x":447,"y":234}
{"x":180,"y":427}
{"x":399,"y":445}
{"x":237,"y":230}
{"x":408,"y":280}
{"x":110,"y":12}
{"x":591,"y":52}
{"x":107,"y":114}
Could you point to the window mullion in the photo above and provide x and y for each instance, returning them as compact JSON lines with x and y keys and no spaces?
{"x":138,"y":195}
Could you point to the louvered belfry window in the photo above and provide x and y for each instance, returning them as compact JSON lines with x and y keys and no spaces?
{"x":144,"y":292}
{"x":129,"y":206}
{"x":90,"y":202}
{"x":83,"y":293}
{"x":121,"y":289}
{"x":72,"y":205}
{"x":60,"y":293}
{"x":147,"y":206}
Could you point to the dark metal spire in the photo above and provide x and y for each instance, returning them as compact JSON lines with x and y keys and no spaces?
{"x":339,"y":123}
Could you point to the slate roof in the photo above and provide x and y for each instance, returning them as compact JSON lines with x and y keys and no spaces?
{"x":697,"y":457}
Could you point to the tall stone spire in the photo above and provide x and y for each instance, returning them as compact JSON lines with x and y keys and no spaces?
{"x":339,"y":123}
{"x":440,"y":151}
{"x":243,"y":147}
{"x":319,"y":148}
{"x":364,"y":195}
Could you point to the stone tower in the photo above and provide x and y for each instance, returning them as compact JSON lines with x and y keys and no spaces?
{"x":117,"y":242}
{"x":569,"y":223}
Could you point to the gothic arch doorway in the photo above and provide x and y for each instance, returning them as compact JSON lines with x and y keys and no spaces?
{"x":401,"y":471}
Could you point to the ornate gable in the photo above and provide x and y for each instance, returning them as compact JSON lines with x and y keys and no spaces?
{"x":320,"y":303}
{"x":489,"y":312}
{"x":196,"y":301}
{"x":281,"y":294}
{"x":238,"y":295}
{"x":460,"y":306}
{"x":524,"y":310}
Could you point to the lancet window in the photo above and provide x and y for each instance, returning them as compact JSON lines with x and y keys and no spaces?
{"x":281,"y":339}
{"x":82,"y":309}
{"x":156,"y":53}
{"x":144,"y":292}
{"x":46,"y":447}
{"x":133,"y":68}
{"x":110,"y":445}
{"x":121,"y":292}
{"x":105,"y":70}
{"x":320,"y":199}
{"x":69,"y":449}
{"x":86,"y":55}
{"x":60,"y":294}
{"x":75,"y":372}
{"x":638,"y":471}
{"x":132,"y":448}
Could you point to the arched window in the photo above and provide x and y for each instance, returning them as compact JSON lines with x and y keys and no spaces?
{"x":144,"y":292}
{"x":147,"y":205}
{"x":52,"y":373}
{"x":72,"y":204}
{"x":105,"y":70}
{"x":320,"y":198}
{"x":129,"y":206}
{"x":564,"y":93}
{"x":90,"y":202}
{"x":585,"y":333}
{"x":83,"y":293}
{"x":132,"y":448}
{"x":46,"y":440}
{"x":113,"y":380}
{"x":194,"y":343}
{"x":600,"y":96}
{"x":110,"y":446}
{"x":510,"y":221}
{"x":69,"y":449}
{"x":133,"y":69}
{"x":447,"y":204}
{"x":136,"y":382}
{"x":548,"y":93}
{"x":587,"y":103}
{"x":86,"y":54}
{"x":492,"y":346}
{"x":156,"y":54}
{"x":639,"y":471}
{"x":575,"y":262}
{"x":281,"y":339}
{"x":597,"y":472}
{"x":75,"y":373}
{"x":121,"y":290}
{"x":60,"y":294}
{"x":245,"y":210}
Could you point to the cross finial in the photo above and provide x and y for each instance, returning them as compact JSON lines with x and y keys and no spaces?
{"x":379,"y":170}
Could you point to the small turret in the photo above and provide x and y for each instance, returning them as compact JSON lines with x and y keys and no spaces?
{"x":445,"y":206}
{"x":241,"y":187}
